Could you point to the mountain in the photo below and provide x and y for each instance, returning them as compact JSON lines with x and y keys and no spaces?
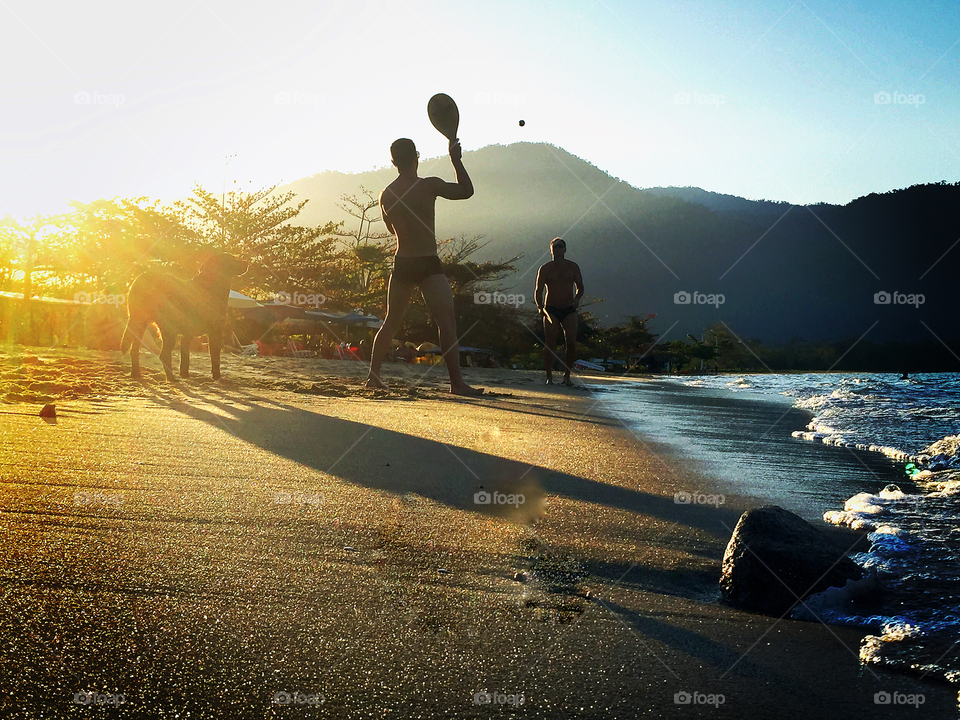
{"x":784,"y":271}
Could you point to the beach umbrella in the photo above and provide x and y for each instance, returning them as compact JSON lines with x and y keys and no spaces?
{"x":273,"y":312}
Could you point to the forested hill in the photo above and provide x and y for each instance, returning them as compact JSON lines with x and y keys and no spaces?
{"x":784,"y":271}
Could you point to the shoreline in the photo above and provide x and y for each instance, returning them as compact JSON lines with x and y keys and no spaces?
{"x":265,"y":539}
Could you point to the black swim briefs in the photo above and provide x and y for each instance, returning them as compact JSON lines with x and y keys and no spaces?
{"x":415,"y":270}
{"x":559,"y":314}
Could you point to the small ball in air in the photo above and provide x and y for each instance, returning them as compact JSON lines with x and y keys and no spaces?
{"x":522,"y":123}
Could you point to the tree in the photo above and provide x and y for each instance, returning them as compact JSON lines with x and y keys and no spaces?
{"x":366,"y":210}
{"x":702,"y":351}
{"x":730,"y":351}
{"x":363,"y":263}
{"x":257,"y":227}
{"x":114,"y":240}
{"x":31,"y":247}
{"x":630,"y":338}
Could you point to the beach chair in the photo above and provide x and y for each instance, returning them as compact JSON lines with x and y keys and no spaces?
{"x":296,"y":352}
{"x":236,"y":346}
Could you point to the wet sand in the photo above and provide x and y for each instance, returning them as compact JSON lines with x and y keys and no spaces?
{"x":200,"y":548}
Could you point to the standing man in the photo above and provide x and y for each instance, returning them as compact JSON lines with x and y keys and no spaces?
{"x":407,"y":206}
{"x":557,"y":302}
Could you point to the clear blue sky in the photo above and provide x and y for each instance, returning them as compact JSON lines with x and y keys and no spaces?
{"x":770,"y":100}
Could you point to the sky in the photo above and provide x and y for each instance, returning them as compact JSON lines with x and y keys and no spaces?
{"x":799,"y":101}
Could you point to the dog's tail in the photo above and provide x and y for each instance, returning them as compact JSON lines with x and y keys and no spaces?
{"x":133,"y":331}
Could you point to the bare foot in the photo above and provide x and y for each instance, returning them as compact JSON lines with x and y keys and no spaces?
{"x":374,"y":383}
{"x":466,"y":390}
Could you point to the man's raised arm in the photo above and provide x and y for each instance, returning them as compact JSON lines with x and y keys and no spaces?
{"x":463,"y":187}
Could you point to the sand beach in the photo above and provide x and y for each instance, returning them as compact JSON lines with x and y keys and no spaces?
{"x":286,"y":543}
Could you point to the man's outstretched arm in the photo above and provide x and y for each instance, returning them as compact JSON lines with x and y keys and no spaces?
{"x":463,"y":187}
{"x":538,"y":294}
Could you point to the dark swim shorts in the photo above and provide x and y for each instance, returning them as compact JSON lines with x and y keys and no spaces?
{"x":415,"y":270}
{"x":559,"y":314}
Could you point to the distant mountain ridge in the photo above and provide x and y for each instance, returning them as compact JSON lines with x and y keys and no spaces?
{"x":784,"y":271}
{"x":721,"y":202}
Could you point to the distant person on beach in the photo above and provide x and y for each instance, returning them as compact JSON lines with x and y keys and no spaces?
{"x":407,"y":206}
{"x":558,"y":293}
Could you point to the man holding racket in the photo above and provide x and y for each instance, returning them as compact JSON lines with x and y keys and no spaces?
{"x":407,"y":206}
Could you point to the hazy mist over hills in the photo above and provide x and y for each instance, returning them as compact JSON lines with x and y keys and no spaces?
{"x":785,"y":271}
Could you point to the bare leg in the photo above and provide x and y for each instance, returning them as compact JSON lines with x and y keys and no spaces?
{"x":570,"y":344}
{"x":439,"y":299}
{"x":185,"y":342}
{"x":166,"y":354}
{"x":215,"y":341}
{"x":136,"y":330}
{"x":550,"y":333}
{"x":135,"y":358}
{"x":398,"y":297}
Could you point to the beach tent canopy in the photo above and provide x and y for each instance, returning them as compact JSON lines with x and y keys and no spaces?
{"x":272,"y":312}
{"x":336,"y":318}
{"x":40,"y":299}
{"x":589,"y":365}
{"x":281,"y":312}
{"x":430,"y":348}
{"x":237,"y":300}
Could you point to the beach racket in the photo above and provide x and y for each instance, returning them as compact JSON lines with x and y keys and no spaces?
{"x":443,"y":113}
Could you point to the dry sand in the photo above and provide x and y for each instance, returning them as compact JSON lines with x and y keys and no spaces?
{"x":199,"y":548}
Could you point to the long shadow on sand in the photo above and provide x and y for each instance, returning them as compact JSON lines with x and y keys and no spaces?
{"x":723,"y":658}
{"x":378,"y":458}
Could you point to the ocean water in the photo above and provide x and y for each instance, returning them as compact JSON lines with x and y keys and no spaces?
{"x":913,"y":523}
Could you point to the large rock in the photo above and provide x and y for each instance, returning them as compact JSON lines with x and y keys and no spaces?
{"x":775,"y":559}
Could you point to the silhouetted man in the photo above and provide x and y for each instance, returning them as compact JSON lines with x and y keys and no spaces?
{"x":557,"y":302}
{"x":407,"y":206}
